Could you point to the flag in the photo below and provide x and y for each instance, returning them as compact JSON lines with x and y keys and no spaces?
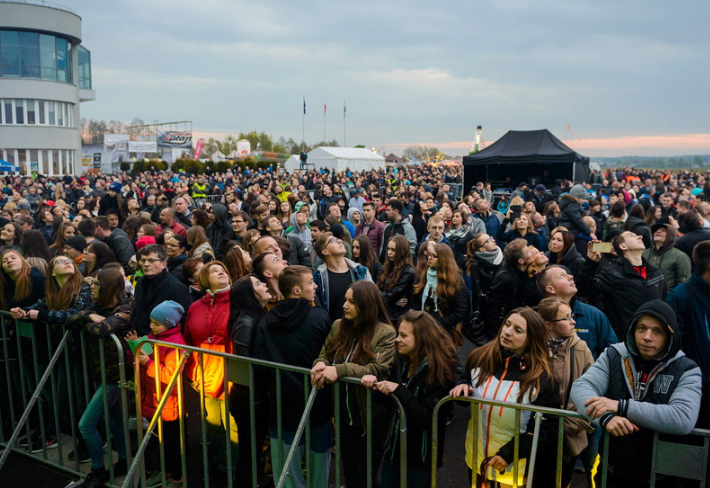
{"x":304,"y":105}
{"x":344,"y":110}
{"x":325,"y":108}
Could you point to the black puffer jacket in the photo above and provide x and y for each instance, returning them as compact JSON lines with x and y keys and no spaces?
{"x":571,"y":216}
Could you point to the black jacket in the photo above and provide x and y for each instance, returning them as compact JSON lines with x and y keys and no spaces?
{"x":689,"y":240}
{"x":243,"y":333}
{"x":571,"y":216}
{"x":508,"y":291}
{"x":618,"y":290}
{"x":401,"y":289}
{"x":151,"y":291}
{"x":459,"y":310}
{"x":122,"y":247}
{"x":220,"y":231}
{"x":418,"y":401}
{"x":482,"y":274}
{"x":175,"y":267}
{"x":293,"y":333}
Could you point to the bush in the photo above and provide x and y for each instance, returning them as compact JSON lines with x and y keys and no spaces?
{"x":125,"y":166}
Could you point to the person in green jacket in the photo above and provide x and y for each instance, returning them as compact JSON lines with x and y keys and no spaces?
{"x":673,"y":263}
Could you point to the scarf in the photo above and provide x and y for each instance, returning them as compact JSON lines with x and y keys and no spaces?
{"x":491,"y":257}
{"x":455,"y":234}
{"x":430,"y":288}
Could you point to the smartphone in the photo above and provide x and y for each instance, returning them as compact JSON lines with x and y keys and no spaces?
{"x":516,"y":209}
{"x":603,"y":247}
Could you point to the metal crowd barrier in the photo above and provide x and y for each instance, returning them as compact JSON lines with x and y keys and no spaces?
{"x":58,"y":370}
{"x":51,"y":378}
{"x":241,"y":371}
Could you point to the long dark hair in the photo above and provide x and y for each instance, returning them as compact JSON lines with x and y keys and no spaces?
{"x":242,"y":300}
{"x":393,"y":268}
{"x":60,"y":298}
{"x":19,"y":232}
{"x":22,"y":285}
{"x":235,"y":264}
{"x":112,"y":288}
{"x":34,"y":245}
{"x":448,"y":276}
{"x":371,"y":313}
{"x":568,"y":240}
{"x":434,"y":344}
{"x":104,"y":255}
{"x":367,"y":254}
{"x":489,"y":358}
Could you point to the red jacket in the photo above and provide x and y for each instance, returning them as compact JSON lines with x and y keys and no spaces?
{"x":169,"y":360}
{"x":207,"y":317}
{"x":177,"y":228}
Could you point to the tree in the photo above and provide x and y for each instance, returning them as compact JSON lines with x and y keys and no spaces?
{"x":421,"y":152}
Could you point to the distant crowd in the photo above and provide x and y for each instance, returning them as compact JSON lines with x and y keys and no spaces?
{"x":590,"y":297}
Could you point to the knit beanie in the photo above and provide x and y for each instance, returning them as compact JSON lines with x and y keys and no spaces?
{"x":167,"y":313}
{"x":144,"y":241}
{"x":578,"y":191}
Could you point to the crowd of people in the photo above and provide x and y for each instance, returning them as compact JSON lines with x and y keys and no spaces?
{"x":589,"y":297}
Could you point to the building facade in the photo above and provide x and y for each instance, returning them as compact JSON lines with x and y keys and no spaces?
{"x":45,"y":73}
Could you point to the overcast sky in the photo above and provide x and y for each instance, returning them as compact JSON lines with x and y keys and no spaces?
{"x":627,"y":77}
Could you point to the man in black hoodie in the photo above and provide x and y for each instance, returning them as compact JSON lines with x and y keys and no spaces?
{"x":293,"y":333}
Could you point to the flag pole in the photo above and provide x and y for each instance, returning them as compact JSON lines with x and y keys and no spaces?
{"x":325,"y":109}
{"x":303,"y":137}
{"x":345,"y":131}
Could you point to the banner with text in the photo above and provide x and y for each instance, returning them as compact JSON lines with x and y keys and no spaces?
{"x":142,"y":146}
{"x":175,"y":139}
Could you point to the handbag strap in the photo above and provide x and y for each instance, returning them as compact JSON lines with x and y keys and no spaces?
{"x":571,"y":377}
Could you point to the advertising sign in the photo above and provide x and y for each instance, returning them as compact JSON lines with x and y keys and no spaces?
{"x":116,"y":142}
{"x":175,"y":139}
{"x":142,"y":146}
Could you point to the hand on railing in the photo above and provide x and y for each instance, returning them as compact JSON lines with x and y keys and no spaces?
{"x":17,"y":313}
{"x":461,"y":391}
{"x":598,"y":406}
{"x":619,"y":426}
{"x":322,"y":374}
{"x":386,"y":387}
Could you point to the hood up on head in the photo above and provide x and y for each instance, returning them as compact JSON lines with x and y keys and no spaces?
{"x":220,"y":215}
{"x":660,"y":310}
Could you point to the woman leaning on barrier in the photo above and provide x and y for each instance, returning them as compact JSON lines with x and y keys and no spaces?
{"x":66,"y":295}
{"x":359,"y":344}
{"x":424,"y":373}
{"x":513,"y":367}
{"x":110,"y":313}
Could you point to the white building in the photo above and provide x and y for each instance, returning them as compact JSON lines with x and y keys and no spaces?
{"x":45,"y":74}
{"x":339,"y":159}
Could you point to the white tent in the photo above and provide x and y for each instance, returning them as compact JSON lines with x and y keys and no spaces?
{"x":292,"y":164}
{"x":218,"y":156}
{"x":342,"y":158}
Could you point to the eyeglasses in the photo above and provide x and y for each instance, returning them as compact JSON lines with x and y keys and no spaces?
{"x":490,"y":239}
{"x":172,"y":245}
{"x":150,"y":260}
{"x":95,"y":284}
{"x":333,"y":239}
{"x":62,"y":261}
{"x":567,"y":318}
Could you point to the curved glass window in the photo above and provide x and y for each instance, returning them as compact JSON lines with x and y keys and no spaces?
{"x":43,"y":161}
{"x":36,"y":112}
{"x":33,"y":55}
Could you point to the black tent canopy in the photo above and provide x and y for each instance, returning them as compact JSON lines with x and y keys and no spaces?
{"x":533,"y":156}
